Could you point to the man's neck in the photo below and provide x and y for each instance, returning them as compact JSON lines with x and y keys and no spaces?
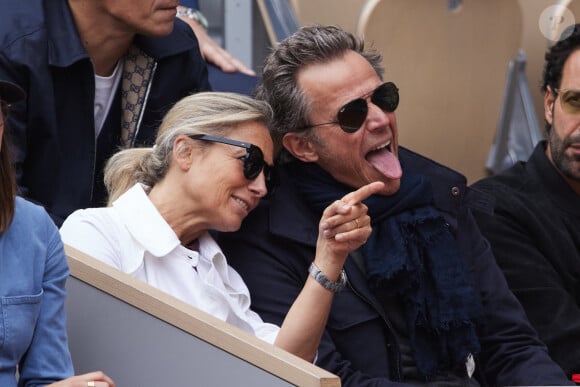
{"x":574,"y":184}
{"x":105,"y":40}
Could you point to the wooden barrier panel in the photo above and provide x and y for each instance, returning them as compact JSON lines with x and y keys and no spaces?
{"x":141,"y":336}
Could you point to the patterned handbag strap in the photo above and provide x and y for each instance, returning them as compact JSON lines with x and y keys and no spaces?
{"x":138,"y":69}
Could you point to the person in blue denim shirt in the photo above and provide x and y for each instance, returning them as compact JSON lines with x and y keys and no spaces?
{"x":33,"y":270}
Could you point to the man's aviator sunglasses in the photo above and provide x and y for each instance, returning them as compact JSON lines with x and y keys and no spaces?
{"x":569,"y":100}
{"x":351,"y":116}
{"x":253,"y":160}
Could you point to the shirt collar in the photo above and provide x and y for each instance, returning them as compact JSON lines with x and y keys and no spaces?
{"x":154,"y":235}
{"x":145,"y":223}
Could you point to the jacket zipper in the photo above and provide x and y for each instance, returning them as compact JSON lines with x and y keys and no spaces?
{"x":145,"y":100}
{"x":389,"y":326}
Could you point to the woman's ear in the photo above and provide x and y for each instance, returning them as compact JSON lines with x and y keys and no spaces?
{"x":549,"y":100}
{"x":300,"y":147}
{"x":183,"y":152}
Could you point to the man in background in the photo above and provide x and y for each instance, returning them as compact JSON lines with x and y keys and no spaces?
{"x":99,"y":75}
{"x":535,"y":231}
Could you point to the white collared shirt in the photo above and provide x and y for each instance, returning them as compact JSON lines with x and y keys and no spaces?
{"x":133,"y":237}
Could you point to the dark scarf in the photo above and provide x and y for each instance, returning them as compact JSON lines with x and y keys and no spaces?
{"x":411,"y":252}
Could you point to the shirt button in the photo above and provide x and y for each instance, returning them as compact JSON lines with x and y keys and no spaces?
{"x":455,"y":191}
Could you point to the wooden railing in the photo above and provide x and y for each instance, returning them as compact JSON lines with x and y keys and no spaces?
{"x":141,"y":336}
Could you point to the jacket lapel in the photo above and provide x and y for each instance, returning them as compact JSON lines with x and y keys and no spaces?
{"x":138,"y":70}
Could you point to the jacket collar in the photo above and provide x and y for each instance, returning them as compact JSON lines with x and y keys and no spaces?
{"x":65,"y":47}
{"x":450,"y":190}
{"x":64,"y":44}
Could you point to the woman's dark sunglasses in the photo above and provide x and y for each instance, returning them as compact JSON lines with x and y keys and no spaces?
{"x":351,"y":116}
{"x":253,"y":160}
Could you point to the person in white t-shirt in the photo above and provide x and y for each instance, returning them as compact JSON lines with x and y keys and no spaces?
{"x":210,"y":166}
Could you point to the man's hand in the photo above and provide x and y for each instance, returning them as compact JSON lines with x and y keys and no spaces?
{"x":94,"y":379}
{"x":213,"y":52}
{"x":345,"y":225}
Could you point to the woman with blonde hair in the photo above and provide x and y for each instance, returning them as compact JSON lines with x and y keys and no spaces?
{"x":210,"y":166}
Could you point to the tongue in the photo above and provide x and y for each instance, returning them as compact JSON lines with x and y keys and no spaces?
{"x":386,"y":163}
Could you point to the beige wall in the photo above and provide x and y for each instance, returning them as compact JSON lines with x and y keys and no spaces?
{"x":343,"y":13}
{"x":451,"y":67}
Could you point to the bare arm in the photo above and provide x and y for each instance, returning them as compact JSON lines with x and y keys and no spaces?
{"x":344,"y":227}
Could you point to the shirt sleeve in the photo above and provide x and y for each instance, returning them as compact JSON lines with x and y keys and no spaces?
{"x":94,"y":235}
{"x":263,"y":330}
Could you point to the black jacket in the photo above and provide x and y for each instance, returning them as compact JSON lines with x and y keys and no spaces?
{"x":535,"y":237}
{"x":58,"y":161}
{"x":276,"y":244}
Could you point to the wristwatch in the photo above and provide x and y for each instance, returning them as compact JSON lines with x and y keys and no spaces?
{"x":192,"y":14}
{"x":333,"y":286}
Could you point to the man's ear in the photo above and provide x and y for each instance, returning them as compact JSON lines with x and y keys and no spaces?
{"x":300,"y":147}
{"x":549,"y":100}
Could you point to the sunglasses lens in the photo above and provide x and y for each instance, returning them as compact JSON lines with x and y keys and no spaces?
{"x":571,"y":101}
{"x":253,"y":162}
{"x":352,"y":115}
{"x":386,"y":97}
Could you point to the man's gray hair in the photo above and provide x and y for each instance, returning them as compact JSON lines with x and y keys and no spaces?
{"x":309,"y":45}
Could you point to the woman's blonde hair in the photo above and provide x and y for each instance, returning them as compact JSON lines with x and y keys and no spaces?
{"x":214,"y":113}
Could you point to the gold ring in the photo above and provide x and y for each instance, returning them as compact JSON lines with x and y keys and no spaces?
{"x":91,"y":383}
{"x":357,"y":223}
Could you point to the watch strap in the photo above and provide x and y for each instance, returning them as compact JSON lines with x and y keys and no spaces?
{"x":193,"y":14}
{"x":333,"y":286}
